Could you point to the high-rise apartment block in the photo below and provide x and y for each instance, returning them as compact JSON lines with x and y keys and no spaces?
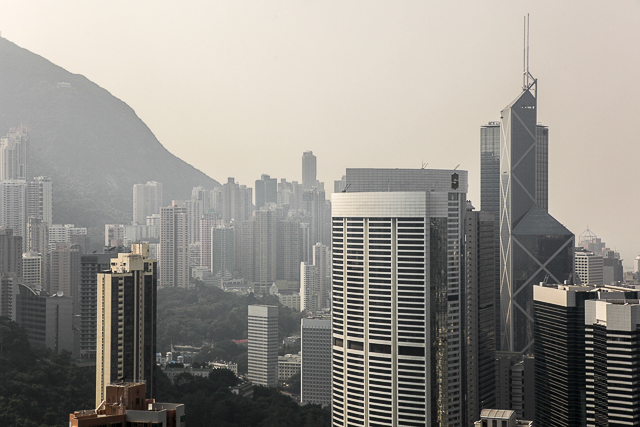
{"x":263,"y":345}
{"x":309,"y":171}
{"x":64,"y":272}
{"x":266,"y":191}
{"x":398,"y":297}
{"x":174,"y":246}
{"x":126,"y":322}
{"x":14,"y":151}
{"x":32,"y":267}
{"x":40,"y":199}
{"x":315,"y":281}
{"x":147,"y":200}
{"x":237,"y":202}
{"x":13,"y":206}
{"x":315,"y":370}
{"x":222,"y":252}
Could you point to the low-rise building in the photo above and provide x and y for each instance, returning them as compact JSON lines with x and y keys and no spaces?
{"x":125,"y":404}
{"x":288,"y":365}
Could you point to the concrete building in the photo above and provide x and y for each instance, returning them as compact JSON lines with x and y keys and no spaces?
{"x":207,"y":222}
{"x":125,"y":404}
{"x":500,"y":418}
{"x":309,"y":171}
{"x":223,"y":252}
{"x":263,"y":345}
{"x":288,"y":365}
{"x":90,"y":266}
{"x":31,"y":313}
{"x":174,"y":246}
{"x":13,"y":206}
{"x":10,"y":253}
{"x":64,"y":272}
{"x":560,"y":377}
{"x":397,"y":297}
{"x":266,"y":191}
{"x":126,"y":321}
{"x":147,"y":200}
{"x":40,"y":199}
{"x":14,"y":154}
{"x":61,"y":331}
{"x":32,"y":269}
{"x":612,"y":362}
{"x":288,"y":246}
{"x":315,"y":373}
{"x":237,"y":202}
{"x":589,"y":267}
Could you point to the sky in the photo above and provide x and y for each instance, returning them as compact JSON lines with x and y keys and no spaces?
{"x":240,"y":88}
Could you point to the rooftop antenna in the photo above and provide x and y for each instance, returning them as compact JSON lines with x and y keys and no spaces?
{"x":424,"y":165}
{"x":528,"y":81}
{"x":456,"y":168}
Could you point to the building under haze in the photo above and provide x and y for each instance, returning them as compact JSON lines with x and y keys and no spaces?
{"x":174,"y":246}
{"x":147,"y":200}
{"x":266,"y":191}
{"x":263,"y":345}
{"x":397,"y":298}
{"x":315,"y":367}
{"x":534,"y":246}
{"x":126,"y":322}
{"x":309,"y":171}
{"x":14,"y":153}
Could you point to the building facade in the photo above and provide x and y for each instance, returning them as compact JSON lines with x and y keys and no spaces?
{"x":263,"y":345}
{"x":174,"y":246}
{"x":126,"y":321}
{"x":315,"y":373}
{"x":397,"y":298}
{"x":147,"y":200}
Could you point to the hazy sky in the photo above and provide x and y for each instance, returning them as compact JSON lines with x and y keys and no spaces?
{"x":240,"y":88}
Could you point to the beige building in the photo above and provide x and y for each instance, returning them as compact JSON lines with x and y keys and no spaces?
{"x":126,"y":321}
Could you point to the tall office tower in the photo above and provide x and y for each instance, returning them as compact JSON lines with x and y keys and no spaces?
{"x":263,"y":345}
{"x":288,"y":263}
{"x":266,"y":191}
{"x":31,"y":313}
{"x":10,"y":253}
{"x":14,"y":151}
{"x":13,"y":206}
{"x":64,"y":272}
{"x":90,"y":266}
{"x":315,"y":368}
{"x":174,"y":246}
{"x":309,"y":171}
{"x":612,"y":353}
{"x":222,"y":252}
{"x":237,"y":202}
{"x":147,"y":200}
{"x":480,"y":311}
{"x":207,"y":222}
{"x":40,"y":199}
{"x":533,"y":245}
{"x":265,"y":252}
{"x":397,"y":298}
{"x":322,"y":260}
{"x":32,"y":269}
{"x":306,"y":251}
{"x":560,"y":380}
{"x":126,"y":321}
{"x":589,"y":267}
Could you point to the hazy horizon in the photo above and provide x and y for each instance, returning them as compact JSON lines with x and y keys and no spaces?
{"x":243,"y":88}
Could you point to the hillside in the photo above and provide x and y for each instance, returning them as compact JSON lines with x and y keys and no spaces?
{"x":92,"y":145}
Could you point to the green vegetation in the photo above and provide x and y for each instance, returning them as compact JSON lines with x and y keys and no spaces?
{"x":209,"y":402}
{"x":39,"y":388}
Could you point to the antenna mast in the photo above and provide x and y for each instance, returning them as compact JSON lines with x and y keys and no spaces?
{"x":528,"y":81}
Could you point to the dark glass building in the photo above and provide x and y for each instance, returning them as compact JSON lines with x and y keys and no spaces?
{"x":266,"y":191}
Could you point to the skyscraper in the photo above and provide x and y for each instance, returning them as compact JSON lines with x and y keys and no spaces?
{"x":14,"y":150}
{"x":263,"y":345}
{"x":126,"y":321}
{"x":315,"y":367}
{"x":397,"y":298}
{"x":13,"y":206}
{"x":533,"y":245}
{"x":40,"y":199}
{"x":266,"y":191}
{"x":309,"y":172}
{"x":237,"y":202}
{"x":147,"y":200}
{"x":174,"y":246}
{"x":612,"y":361}
{"x":222,"y":252}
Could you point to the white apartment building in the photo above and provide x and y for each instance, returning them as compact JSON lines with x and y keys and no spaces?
{"x":263,"y":345}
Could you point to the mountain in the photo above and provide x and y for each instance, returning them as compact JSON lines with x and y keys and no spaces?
{"x":92,"y":144}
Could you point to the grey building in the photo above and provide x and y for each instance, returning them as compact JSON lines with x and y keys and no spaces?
{"x":397,"y":298}
{"x":266,"y":191}
{"x":263,"y":345}
{"x":315,"y":374}
{"x":309,"y":171}
{"x":533,"y":244}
